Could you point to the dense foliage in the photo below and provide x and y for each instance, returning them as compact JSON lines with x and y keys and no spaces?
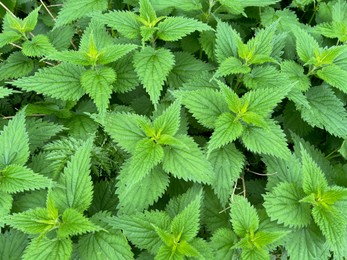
{"x":173,"y":129}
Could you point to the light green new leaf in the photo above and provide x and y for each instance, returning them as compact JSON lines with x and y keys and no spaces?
{"x":38,"y":46}
{"x":14,"y":142}
{"x":222,"y":242}
{"x":227,"y":41}
{"x":33,"y":221}
{"x":124,"y":22}
{"x":175,"y":28}
{"x":97,"y":83}
{"x":9,"y":37}
{"x":16,"y":65}
{"x":327,"y":111}
{"x":244,"y":216}
{"x":314,"y":180}
{"x":206,"y":105}
{"x":12,"y":244}
{"x":306,"y":244}
{"x":186,"y":224}
{"x":168,"y":122}
{"x":104,"y":245}
{"x":76,"y":187}
{"x":75,"y":9}
{"x":137,"y":197}
{"x":187,"y":162}
{"x":282,"y":205}
{"x":74,"y":223}
{"x":335,"y":76}
{"x":153,"y":66}
{"x":43,"y":248}
{"x":306,"y":45}
{"x":227,"y":129}
{"x":15,"y":178}
{"x":332,"y":223}
{"x":270,"y":140}
{"x":231,"y":65}
{"x":147,"y":155}
{"x":334,"y":194}
{"x":30,"y":21}
{"x":61,"y":81}
{"x":227,"y":163}
{"x":125,"y":129}
{"x":140,"y":228}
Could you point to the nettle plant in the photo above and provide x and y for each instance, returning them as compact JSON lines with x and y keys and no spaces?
{"x":156,"y":129}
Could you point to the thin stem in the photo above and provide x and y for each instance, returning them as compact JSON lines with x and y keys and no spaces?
{"x":15,"y":45}
{"x":48,"y":11}
{"x":243,"y":187}
{"x":8,"y":10}
{"x":260,"y":174}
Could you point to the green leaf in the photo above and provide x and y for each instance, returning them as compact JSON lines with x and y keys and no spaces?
{"x":175,"y":28}
{"x":6,"y":201}
{"x":75,"y":9}
{"x":186,"y":224}
{"x":126,"y":76}
{"x":42,"y":248}
{"x":61,"y":37}
{"x":306,"y":45}
{"x":16,"y":65}
{"x":74,"y":223}
{"x":184,"y":5}
{"x":187,"y":162}
{"x":306,"y":243}
{"x":227,"y":41}
{"x":137,"y":197}
{"x":168,"y":122}
{"x":263,"y":101}
{"x":61,"y":81}
{"x":314,"y":180}
{"x":115,"y":52}
{"x":206,"y":105}
{"x":327,"y":111}
{"x":295,"y":73}
{"x":14,"y":143}
{"x":282,"y":205}
{"x":147,"y":12}
{"x":33,"y":221}
{"x":227,"y":129}
{"x":12,"y":244}
{"x":38,"y":46}
{"x":15,"y":178}
{"x":9,"y":37}
{"x":237,"y":6}
{"x":332,"y":223}
{"x":97,"y":83}
{"x":76,"y":190}
{"x":147,"y":155}
{"x":270,"y":140}
{"x":124,"y":22}
{"x":186,"y":68}
{"x":140,"y":230}
{"x":125,"y":129}
{"x":244,"y":216}
{"x":40,"y":131}
{"x":266,"y":76}
{"x":153,"y":66}
{"x":227,"y":163}
{"x":30,"y":21}
{"x":334,"y":75}
{"x":104,"y":245}
{"x":222,"y":242}
{"x":231,"y":65}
